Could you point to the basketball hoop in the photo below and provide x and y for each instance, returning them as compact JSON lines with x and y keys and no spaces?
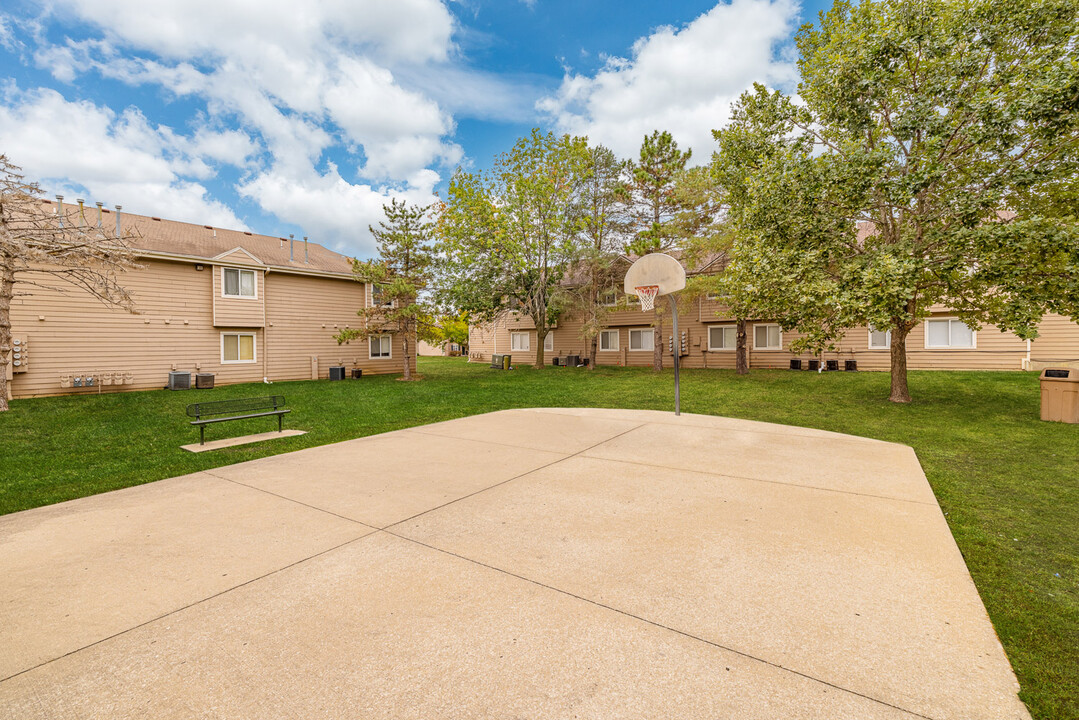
{"x":647,"y":295}
{"x":649,"y":277}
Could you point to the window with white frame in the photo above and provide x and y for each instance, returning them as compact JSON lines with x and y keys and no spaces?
{"x":520,"y":342}
{"x":641,"y":339}
{"x":381,"y":346}
{"x":948,"y":333}
{"x":238,"y":283}
{"x":767,"y":337}
{"x":238,"y":348}
{"x":879,"y":339}
{"x":548,"y":342}
{"x":722,"y":337}
{"x":608,"y":340}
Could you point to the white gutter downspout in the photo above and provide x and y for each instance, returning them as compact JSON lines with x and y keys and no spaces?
{"x":213,"y":295}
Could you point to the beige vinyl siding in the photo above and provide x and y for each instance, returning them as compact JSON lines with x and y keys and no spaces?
{"x":994,"y":350}
{"x":481,"y":342}
{"x":518,"y":321}
{"x":304,"y":314}
{"x":175,"y":329}
{"x":78,"y":335}
{"x":1057,"y":341}
{"x":238,"y":311}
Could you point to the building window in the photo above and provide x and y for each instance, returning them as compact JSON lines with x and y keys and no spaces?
{"x":767,"y":337}
{"x":238,"y":283}
{"x":377,"y":293}
{"x":948,"y":333}
{"x":380,"y":346}
{"x":879,"y":339}
{"x":722,"y":337}
{"x":608,"y":298}
{"x":608,"y":340}
{"x":238,"y":348}
{"x":548,"y":342}
{"x":641,"y":339}
{"x":520,"y":342}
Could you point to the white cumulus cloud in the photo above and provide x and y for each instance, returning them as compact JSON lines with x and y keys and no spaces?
{"x":80,"y":147}
{"x":332,"y":211}
{"x":680,"y":79}
{"x":281,"y":90}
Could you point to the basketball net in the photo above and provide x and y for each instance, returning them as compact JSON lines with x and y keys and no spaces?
{"x":647,"y":295}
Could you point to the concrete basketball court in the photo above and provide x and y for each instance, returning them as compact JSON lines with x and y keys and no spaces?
{"x":553,"y":563}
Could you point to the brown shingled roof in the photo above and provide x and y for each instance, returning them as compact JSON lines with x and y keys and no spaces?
{"x":157,"y":235}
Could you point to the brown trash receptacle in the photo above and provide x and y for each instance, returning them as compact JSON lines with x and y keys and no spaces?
{"x":1060,"y":395}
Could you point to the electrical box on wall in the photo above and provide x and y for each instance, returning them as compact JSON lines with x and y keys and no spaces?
{"x":20,"y":355}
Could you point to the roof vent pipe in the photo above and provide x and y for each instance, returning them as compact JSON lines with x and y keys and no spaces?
{"x":82,"y":212}
{"x":118,"y":209}
{"x":305,"y":249}
{"x":290,"y":239}
{"x":99,"y":206}
{"x":60,"y":208}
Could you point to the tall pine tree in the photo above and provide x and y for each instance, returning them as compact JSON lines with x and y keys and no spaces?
{"x":654,"y":202}
{"x":398,"y":278}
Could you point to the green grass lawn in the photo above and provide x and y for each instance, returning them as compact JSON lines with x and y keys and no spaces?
{"x":1008,"y":483}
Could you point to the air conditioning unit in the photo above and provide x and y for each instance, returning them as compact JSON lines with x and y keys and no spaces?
{"x":179,"y":380}
{"x":796,"y":364}
{"x":337,"y":373}
{"x":204,"y":381}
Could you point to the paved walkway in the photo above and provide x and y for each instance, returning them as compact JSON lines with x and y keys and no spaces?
{"x":521,"y":564}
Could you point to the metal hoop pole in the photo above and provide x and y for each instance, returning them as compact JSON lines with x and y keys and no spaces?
{"x":675,"y":348}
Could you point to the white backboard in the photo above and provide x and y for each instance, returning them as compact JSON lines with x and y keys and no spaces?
{"x":655,"y":269}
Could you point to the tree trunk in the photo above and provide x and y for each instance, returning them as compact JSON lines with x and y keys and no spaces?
{"x":539,"y":341}
{"x":741,"y":353}
{"x":657,"y":340}
{"x":900,"y":392}
{"x":7,"y":291}
{"x":408,"y":365}
{"x":592,"y":350}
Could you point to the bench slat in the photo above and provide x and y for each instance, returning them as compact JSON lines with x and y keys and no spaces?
{"x":239,"y":417}
{"x":235,"y":406}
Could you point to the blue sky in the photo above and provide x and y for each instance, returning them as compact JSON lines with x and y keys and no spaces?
{"x":285,"y":117}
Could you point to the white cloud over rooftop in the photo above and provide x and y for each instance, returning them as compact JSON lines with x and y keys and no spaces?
{"x":293,"y":80}
{"x":316,"y":114}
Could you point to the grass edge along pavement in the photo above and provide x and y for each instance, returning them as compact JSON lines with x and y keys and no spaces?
{"x":1006,"y":481}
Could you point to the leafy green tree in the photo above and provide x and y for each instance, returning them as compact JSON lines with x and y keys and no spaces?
{"x":934,"y":162}
{"x":703,"y":223}
{"x":446,"y":328}
{"x":651,"y":187}
{"x":399,"y":277}
{"x":604,"y":226}
{"x":760,"y":127}
{"x":509,"y":236}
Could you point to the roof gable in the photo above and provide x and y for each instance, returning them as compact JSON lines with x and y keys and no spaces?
{"x":238,"y":253}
